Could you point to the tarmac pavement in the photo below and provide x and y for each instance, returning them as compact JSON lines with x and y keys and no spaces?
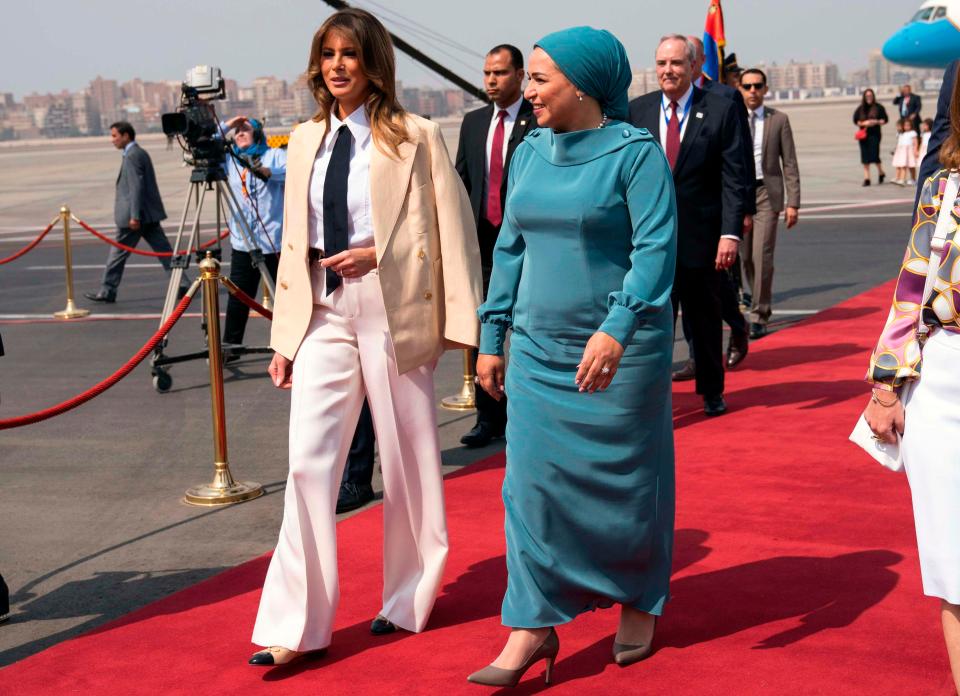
{"x":91,"y":503}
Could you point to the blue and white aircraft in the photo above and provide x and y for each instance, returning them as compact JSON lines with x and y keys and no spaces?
{"x":931,"y":39}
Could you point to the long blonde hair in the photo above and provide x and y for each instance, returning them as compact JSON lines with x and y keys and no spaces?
{"x":376,"y":58}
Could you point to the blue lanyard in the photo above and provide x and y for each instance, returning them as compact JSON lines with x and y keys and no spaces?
{"x":681,"y":118}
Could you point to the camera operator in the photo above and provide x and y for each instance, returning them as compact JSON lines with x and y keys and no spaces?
{"x":257,"y":181}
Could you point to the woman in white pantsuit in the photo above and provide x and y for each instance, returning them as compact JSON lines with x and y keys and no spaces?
{"x":931,"y":422}
{"x":379,"y":272}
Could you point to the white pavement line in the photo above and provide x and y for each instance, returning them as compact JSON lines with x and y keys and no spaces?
{"x":852,"y":206}
{"x":99,"y":266}
{"x":100,"y":317}
{"x":905,"y":216}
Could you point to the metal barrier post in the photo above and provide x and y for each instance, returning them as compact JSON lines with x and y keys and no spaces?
{"x":267,"y":297}
{"x":466,"y":400}
{"x":71,"y":311}
{"x":223,"y":490}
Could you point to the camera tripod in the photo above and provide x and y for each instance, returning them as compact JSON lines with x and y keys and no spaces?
{"x":202,"y":181}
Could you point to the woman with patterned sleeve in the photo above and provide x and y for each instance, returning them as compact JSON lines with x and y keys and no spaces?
{"x":582,"y":274}
{"x":931,"y":440}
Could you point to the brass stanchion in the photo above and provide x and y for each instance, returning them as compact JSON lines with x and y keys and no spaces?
{"x":466,"y":400}
{"x":71,"y":311}
{"x":267,"y":297}
{"x":223,"y":490}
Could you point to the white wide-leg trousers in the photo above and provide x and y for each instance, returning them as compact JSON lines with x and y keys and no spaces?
{"x":931,"y":457}
{"x":347,"y":352}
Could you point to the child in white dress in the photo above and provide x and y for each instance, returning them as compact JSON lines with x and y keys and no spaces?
{"x":905,"y":156}
{"x":926,"y":130}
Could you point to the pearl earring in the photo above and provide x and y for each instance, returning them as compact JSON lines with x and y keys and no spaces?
{"x":580,"y":97}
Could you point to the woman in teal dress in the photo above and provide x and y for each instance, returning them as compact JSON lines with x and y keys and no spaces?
{"x":582,"y":274}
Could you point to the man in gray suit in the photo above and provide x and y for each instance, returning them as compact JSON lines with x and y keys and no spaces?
{"x":775,"y":158}
{"x":137,"y":210}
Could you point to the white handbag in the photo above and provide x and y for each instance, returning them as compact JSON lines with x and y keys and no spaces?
{"x":890,"y":455}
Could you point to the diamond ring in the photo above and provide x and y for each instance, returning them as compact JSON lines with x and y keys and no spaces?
{"x":604,"y":370}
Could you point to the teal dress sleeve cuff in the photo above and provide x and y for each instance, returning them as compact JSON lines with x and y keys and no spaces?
{"x":621,"y":323}
{"x":492,"y":338}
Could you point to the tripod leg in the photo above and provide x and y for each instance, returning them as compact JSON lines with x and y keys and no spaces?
{"x":255,"y":252}
{"x":179,"y":263}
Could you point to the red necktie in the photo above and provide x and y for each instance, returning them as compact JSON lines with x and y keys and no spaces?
{"x":494,"y":206}
{"x":673,"y":135}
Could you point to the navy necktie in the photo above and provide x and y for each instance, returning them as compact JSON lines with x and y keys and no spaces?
{"x":335,"y":203}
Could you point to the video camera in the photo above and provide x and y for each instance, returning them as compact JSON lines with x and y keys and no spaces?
{"x":195,"y":122}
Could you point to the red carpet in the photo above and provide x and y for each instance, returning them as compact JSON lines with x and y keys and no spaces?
{"x":796,"y":570}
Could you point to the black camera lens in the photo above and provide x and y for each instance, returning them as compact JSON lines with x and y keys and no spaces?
{"x":174,"y":123}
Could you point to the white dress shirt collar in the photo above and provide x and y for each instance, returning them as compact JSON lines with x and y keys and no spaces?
{"x":511,"y":110}
{"x":126,"y":148}
{"x":760,"y":111}
{"x":682,"y":101}
{"x":357,"y":122}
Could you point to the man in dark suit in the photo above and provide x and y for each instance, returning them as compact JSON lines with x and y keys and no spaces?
{"x":941,"y":128}
{"x":909,"y":105}
{"x":137,"y":210}
{"x":701,"y":136}
{"x":488,"y":138}
{"x":730,"y":279}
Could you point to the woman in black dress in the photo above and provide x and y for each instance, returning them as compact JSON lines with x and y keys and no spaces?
{"x":870,"y":116}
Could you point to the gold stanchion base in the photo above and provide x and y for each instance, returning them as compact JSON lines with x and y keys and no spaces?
{"x":459,"y":403}
{"x":208,"y":495}
{"x":71,"y":312}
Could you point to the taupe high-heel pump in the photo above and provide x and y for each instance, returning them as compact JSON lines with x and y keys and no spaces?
{"x":625,"y":654}
{"x":497,"y":676}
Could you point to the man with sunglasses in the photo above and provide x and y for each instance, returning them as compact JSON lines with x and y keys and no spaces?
{"x":775,"y":159}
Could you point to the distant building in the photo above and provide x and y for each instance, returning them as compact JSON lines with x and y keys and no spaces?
{"x":644,"y":81}
{"x":810,"y":77}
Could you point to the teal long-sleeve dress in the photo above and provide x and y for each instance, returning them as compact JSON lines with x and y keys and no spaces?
{"x":588,"y":243}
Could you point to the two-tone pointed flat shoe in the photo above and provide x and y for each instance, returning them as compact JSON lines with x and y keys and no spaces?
{"x":276,"y":655}
{"x":497,"y":676}
{"x":625,"y":654}
{"x":381,"y":626}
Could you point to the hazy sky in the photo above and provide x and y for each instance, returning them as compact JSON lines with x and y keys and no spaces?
{"x":49,"y":45}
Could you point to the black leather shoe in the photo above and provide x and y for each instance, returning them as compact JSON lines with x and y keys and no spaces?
{"x":100,"y":297}
{"x":381,"y":627}
{"x":737,"y":350}
{"x":758,"y":330}
{"x":714,"y":405}
{"x":685,"y":373}
{"x":353,"y":496}
{"x":481,"y":435}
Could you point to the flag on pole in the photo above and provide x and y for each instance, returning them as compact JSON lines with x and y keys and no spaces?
{"x":713,"y":42}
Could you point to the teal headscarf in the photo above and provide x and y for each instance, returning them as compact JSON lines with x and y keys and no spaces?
{"x":596,"y":63}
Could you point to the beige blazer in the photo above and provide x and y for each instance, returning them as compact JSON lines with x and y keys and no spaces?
{"x":425,"y":238}
{"x":778,"y":148}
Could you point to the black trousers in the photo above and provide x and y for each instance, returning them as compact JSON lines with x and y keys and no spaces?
{"x":153,"y":234}
{"x":491,"y":412}
{"x":729,"y":306}
{"x":359,"y":469}
{"x":698,"y":291}
{"x":245,"y":276}
{"x":4,"y":597}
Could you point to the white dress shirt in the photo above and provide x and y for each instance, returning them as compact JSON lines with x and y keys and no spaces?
{"x":508,"y":122}
{"x":758,"y":117}
{"x":666,"y":113}
{"x":359,"y":222}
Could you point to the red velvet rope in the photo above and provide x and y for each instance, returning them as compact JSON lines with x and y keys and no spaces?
{"x":246,"y":299}
{"x":109,"y":381}
{"x":141,"y":252}
{"x":30,"y":245}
